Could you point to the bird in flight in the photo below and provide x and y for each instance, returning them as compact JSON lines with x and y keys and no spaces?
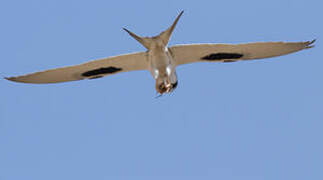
{"x":162,"y":60}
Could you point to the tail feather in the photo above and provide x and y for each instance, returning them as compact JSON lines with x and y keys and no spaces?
{"x":143,"y":40}
{"x":163,"y":36}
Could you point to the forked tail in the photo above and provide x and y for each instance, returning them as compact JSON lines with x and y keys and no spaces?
{"x":164,"y":36}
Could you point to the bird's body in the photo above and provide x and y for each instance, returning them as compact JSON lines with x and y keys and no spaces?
{"x":162,"y":60}
{"x":162,"y":68}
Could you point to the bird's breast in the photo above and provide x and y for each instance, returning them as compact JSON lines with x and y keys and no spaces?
{"x":161,"y":63}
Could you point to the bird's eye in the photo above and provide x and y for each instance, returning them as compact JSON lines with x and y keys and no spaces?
{"x":162,"y":87}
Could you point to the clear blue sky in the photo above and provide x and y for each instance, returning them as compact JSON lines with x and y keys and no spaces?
{"x":255,"y":120}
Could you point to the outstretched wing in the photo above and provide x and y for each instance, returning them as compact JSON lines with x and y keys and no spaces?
{"x":184,"y":54}
{"x":90,"y":70}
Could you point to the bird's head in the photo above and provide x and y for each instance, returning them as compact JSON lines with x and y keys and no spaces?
{"x":165,"y":86}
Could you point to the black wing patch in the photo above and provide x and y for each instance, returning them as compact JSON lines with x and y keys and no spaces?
{"x":99,"y":71}
{"x":222,"y":56}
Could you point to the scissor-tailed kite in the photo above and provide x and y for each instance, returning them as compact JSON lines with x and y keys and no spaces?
{"x":162,"y":60}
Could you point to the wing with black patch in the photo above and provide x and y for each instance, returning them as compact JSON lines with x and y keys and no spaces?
{"x":184,"y":54}
{"x":90,"y":70}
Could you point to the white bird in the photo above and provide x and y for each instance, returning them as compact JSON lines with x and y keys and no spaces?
{"x":162,"y":60}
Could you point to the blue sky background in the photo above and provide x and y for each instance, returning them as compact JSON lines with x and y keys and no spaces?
{"x":247,"y":120}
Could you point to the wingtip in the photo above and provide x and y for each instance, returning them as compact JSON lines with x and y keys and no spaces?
{"x":10,"y":79}
{"x":310,"y":44}
{"x":14,"y":79}
{"x":125,"y":29}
